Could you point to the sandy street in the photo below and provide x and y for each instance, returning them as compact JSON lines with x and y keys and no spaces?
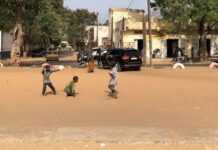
{"x":155,"y":106}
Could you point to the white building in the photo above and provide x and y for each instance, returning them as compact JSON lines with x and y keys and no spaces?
{"x":97,"y":34}
{"x":5,"y":41}
{"x":5,"y":45}
{"x":126,"y":31}
{"x":116,"y":18}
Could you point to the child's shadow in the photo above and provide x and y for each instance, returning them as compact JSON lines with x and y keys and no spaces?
{"x":49,"y":93}
{"x":74,"y":95}
{"x":110,"y":95}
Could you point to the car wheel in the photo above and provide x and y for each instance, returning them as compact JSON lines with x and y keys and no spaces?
{"x":138,"y":68}
{"x":100,"y":64}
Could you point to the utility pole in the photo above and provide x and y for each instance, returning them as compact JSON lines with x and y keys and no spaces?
{"x":122,"y":34}
{"x":144,"y":39}
{"x":149,"y":31}
{"x":0,"y":41}
{"x":112,"y":32}
{"x":97,"y":28}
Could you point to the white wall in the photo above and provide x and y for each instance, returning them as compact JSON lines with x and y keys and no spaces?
{"x":214,"y":44}
{"x":117,"y":16}
{"x":157,"y":43}
{"x":103,"y":32}
{"x":130,"y":40}
{"x":6,"y":41}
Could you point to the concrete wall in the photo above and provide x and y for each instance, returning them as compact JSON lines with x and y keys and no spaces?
{"x":118,"y":14}
{"x":126,"y":28}
{"x":160,"y":42}
{"x":214,"y":44}
{"x":103,"y":32}
{"x":116,"y":17}
{"x":130,"y":40}
{"x":6,"y":41}
{"x":186,"y":42}
{"x":133,"y":25}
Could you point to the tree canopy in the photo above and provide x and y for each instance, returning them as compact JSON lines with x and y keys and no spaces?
{"x":191,"y":17}
{"x":38,"y":23}
{"x":75,"y":24}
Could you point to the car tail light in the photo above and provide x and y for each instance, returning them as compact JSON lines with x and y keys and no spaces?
{"x":125,"y":57}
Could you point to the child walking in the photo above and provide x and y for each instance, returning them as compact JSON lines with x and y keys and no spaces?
{"x":113,"y":82}
{"x":70,"y":88}
{"x":46,"y":72}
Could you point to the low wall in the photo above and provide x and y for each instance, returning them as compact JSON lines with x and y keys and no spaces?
{"x":5,"y":55}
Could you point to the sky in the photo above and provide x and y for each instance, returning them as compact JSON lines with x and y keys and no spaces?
{"x":102,"y":6}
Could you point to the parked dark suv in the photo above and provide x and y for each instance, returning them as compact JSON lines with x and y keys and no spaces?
{"x":40,"y":52}
{"x":125,"y":58}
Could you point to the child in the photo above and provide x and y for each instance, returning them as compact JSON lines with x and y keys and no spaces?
{"x":46,"y":72}
{"x":70,"y":88}
{"x":113,"y":82}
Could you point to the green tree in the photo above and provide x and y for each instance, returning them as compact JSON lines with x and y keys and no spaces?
{"x":193,"y":17}
{"x":39,"y":23}
{"x":47,"y":25}
{"x":75,"y":25}
{"x":11,"y":12}
{"x":30,"y":20}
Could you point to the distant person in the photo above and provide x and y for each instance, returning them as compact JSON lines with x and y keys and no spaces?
{"x":179,"y":54}
{"x":98,"y":56}
{"x":46,"y":72}
{"x":70,"y":88}
{"x":113,"y":82}
{"x":192,"y":53}
{"x":91,"y":62}
{"x":179,"y":59}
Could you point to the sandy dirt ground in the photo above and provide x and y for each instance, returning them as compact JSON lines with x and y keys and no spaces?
{"x":94,"y":146}
{"x":156,"y":107}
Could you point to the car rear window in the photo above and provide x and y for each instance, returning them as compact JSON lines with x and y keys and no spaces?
{"x":131,"y":52}
{"x":115,"y":52}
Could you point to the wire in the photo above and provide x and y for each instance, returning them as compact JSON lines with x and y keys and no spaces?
{"x":130,"y":3}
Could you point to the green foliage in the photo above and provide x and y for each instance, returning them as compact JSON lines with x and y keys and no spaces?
{"x":7,"y":14}
{"x":75,"y":24}
{"x":45,"y":22}
{"x":45,"y":28}
{"x":41,"y":20}
{"x":190,"y":15}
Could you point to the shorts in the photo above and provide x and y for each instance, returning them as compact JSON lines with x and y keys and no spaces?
{"x":111,"y":87}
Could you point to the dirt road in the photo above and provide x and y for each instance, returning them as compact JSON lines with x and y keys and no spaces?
{"x":172,"y":102}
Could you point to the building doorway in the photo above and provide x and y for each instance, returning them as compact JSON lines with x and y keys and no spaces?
{"x":172,"y":44}
{"x":208,"y":44}
{"x":140,"y":45}
{"x":208,"y":47}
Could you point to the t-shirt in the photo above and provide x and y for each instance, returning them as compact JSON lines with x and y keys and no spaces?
{"x":113,"y":74}
{"x":70,"y":88}
{"x":46,"y":76}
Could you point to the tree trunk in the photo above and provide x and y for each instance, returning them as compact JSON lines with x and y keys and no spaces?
{"x":203,"y":47}
{"x":17,"y":43}
{"x":203,"y":39}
